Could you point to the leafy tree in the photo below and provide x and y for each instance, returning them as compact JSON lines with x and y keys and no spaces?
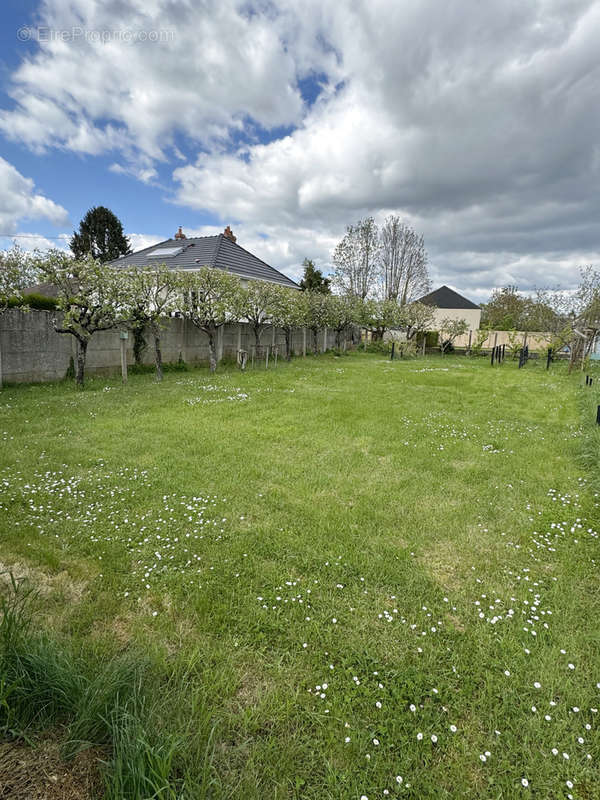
{"x":212,"y":298}
{"x":403,"y":262}
{"x":378,"y":316}
{"x":479,"y":339}
{"x":417,"y":318}
{"x":152,"y":294}
{"x":509,"y":310}
{"x":288,"y":312}
{"x":356,"y":259}
{"x":313,"y":280}
{"x":91,"y":296}
{"x":450,"y":330}
{"x":506,"y":310}
{"x":100,"y":235}
{"x":585,"y":315}
{"x":515,"y":342}
{"x":259,"y":298}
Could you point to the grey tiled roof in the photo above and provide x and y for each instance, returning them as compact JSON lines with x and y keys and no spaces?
{"x":445,"y":297}
{"x":211,"y":251}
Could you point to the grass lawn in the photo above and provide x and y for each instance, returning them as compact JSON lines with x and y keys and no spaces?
{"x":343,"y":578}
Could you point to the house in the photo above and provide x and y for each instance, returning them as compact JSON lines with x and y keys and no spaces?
{"x":450,"y":304}
{"x":220,"y":252}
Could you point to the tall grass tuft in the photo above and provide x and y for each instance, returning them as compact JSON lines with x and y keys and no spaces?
{"x":121,"y":706}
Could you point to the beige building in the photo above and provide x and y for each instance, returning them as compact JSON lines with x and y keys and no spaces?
{"x":451,"y":305}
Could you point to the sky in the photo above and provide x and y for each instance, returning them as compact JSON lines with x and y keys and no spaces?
{"x":476,"y":122}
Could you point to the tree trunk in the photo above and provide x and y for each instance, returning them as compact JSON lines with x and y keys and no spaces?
{"x":288,"y":344}
{"x":139,"y":344}
{"x":81,"y":355}
{"x":212,"y":348}
{"x":257,"y":332}
{"x":158,"y":357}
{"x":338,"y":340}
{"x":315,"y":333}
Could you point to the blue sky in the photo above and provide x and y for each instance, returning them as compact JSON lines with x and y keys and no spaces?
{"x":78,"y":181}
{"x":477,"y":124}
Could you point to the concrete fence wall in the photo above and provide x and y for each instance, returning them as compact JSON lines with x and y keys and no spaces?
{"x":535,"y":340}
{"x":32,"y":351}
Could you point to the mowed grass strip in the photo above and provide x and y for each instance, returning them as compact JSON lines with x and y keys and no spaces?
{"x":362,"y":578}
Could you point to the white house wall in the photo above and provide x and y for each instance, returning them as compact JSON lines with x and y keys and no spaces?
{"x":472,"y":317}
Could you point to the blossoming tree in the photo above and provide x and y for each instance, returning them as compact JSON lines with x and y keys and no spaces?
{"x":344,"y":312}
{"x":91,"y":296}
{"x":152,"y":294}
{"x":318,"y":315}
{"x":211,"y":298}
{"x":259,"y":298}
{"x":16,"y":272}
{"x":288,"y":312}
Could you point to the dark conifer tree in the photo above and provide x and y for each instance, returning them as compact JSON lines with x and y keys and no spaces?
{"x":100,"y":235}
{"x":313,"y":280}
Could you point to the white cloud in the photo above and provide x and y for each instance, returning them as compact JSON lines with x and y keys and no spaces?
{"x":478,"y":123}
{"x":218,"y":65}
{"x":35,"y":241}
{"x":19,"y":201}
{"x":140,"y":240}
{"x":143,"y":174}
{"x":480,"y":129}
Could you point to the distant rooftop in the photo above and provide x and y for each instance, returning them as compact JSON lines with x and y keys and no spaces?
{"x":219,"y":252}
{"x":445,"y":297}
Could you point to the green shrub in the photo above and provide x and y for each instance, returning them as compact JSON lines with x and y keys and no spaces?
{"x":378,"y":346}
{"x":431,"y":339}
{"x":38,"y":302}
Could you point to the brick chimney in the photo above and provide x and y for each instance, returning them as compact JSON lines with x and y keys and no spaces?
{"x":229,"y":234}
{"x":180,"y":234}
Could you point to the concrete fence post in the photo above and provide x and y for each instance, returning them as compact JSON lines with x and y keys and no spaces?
{"x":123,"y":336}
{"x":220,"y":343}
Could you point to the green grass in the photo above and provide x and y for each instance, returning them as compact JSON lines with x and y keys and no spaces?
{"x":403,"y":533}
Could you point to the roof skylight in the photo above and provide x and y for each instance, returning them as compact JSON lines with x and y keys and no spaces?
{"x":165,"y":252}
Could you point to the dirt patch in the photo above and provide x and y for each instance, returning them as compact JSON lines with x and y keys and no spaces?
{"x":251,"y":690}
{"x":454,"y":621}
{"x":443,"y":562}
{"x":44,"y":583}
{"x":39,"y":773}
